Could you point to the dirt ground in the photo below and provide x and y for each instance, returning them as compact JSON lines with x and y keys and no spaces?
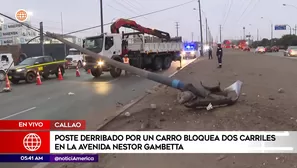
{"x":268,"y":102}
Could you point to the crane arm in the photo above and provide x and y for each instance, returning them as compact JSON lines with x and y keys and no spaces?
{"x":133,"y":25}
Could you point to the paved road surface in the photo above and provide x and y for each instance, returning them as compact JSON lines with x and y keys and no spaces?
{"x":94,"y":99}
{"x":278,"y":54}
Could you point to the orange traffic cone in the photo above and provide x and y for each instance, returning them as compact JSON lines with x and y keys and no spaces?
{"x":7,"y":85}
{"x":77,"y":72}
{"x":60,"y":77}
{"x":89,"y":71}
{"x":38,"y":79}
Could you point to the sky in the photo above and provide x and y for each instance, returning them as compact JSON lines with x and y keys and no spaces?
{"x":233,"y":15}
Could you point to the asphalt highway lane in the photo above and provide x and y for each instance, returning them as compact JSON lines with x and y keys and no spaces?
{"x":93,"y":99}
{"x":277,"y":54}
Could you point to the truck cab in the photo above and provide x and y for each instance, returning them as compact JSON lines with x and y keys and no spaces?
{"x":74,"y":59}
{"x":6,"y":62}
{"x":105,"y":44}
{"x":108,"y":45}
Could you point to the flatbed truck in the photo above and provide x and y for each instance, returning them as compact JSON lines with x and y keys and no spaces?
{"x":155,"y":52}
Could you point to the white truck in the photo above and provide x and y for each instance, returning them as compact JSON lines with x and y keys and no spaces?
{"x":74,"y":59}
{"x":6,"y":62}
{"x":136,"y":49}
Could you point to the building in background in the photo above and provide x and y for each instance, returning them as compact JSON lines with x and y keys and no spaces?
{"x":15,"y":33}
{"x":73,"y":39}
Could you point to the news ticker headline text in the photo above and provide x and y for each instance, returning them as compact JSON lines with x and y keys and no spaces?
{"x":90,"y":142}
{"x":172,"y":142}
{"x":49,"y":158}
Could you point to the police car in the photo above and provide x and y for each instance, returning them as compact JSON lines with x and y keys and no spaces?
{"x":27,"y":69}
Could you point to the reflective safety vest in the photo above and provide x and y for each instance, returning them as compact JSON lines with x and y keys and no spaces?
{"x":126,"y":60}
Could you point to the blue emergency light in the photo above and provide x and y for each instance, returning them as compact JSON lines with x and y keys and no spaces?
{"x":189,"y":46}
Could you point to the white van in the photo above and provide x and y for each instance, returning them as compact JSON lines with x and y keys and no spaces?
{"x":6,"y":62}
{"x":74,"y":59}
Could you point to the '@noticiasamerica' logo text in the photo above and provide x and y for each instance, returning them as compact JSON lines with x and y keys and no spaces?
{"x":21,"y":15}
{"x":32,"y":142}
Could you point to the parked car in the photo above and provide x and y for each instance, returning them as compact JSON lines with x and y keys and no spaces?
{"x":246,"y":49}
{"x":260,"y":50}
{"x":291,"y":51}
{"x":268,"y":49}
{"x":275,"y":49}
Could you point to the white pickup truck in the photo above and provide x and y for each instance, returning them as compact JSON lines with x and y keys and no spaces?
{"x":74,"y":59}
{"x":6,"y":62}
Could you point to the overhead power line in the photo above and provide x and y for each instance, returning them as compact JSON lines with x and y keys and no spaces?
{"x":228,"y":12}
{"x":245,"y":10}
{"x":134,"y":17}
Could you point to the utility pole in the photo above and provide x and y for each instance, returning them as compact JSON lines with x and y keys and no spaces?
{"x":206,"y":31}
{"x":243,"y":33}
{"x":177,"y":27}
{"x":220,"y":33}
{"x":41,"y":38}
{"x":201,"y":29}
{"x":101,"y":13}
{"x":62,"y":29}
{"x":257,"y":34}
{"x":271,"y":31}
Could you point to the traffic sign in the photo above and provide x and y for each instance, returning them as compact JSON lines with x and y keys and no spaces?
{"x":248,"y":36}
{"x":280,"y":27}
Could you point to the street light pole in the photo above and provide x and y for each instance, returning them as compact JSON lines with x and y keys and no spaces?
{"x":243,"y":33}
{"x":62,"y":31}
{"x":296,"y":9}
{"x":201,"y":29}
{"x":290,"y":29}
{"x":271,"y":29}
{"x":101,"y":13}
{"x":206,"y":31}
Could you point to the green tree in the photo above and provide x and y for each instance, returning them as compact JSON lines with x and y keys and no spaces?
{"x":288,"y":40}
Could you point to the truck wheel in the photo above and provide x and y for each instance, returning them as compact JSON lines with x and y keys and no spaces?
{"x":115,"y":72}
{"x":157,"y":63}
{"x":166,"y":63}
{"x":15,"y":81}
{"x":30,"y":77}
{"x":2,"y":76}
{"x":96,"y":72}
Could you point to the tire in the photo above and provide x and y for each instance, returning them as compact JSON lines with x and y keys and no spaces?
{"x":2,"y":76}
{"x":62,"y":71}
{"x":115,"y":72}
{"x":96,"y":72}
{"x":166,"y":63}
{"x":14,"y":81}
{"x":157,"y":63}
{"x":30,"y":77}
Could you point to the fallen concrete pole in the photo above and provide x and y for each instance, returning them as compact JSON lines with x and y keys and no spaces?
{"x":198,"y":97}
